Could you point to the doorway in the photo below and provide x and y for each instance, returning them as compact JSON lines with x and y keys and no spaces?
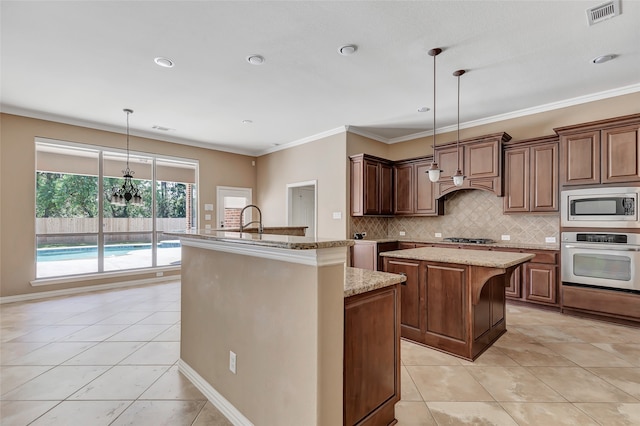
{"x":302,"y":206}
{"x":230,"y":201}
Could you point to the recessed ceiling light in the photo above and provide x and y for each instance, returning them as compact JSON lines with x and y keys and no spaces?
{"x":247,"y":122}
{"x":602,"y":59}
{"x":347,"y":49}
{"x":255,"y":59}
{"x":423,"y":109}
{"x":163,"y":62}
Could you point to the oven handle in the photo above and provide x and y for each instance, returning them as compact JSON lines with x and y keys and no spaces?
{"x":598,"y":247}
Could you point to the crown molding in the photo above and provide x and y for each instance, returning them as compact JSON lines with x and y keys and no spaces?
{"x":312,"y":138}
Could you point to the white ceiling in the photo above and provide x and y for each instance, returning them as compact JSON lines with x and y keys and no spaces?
{"x":83,"y":62}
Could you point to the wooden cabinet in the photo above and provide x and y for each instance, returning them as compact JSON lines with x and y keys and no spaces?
{"x":413,"y":191}
{"x":371,"y":379}
{"x":601,"y":304}
{"x":480,"y":160}
{"x":600,"y":152}
{"x":531,"y":176}
{"x":365,"y":254}
{"x":411,"y":296}
{"x":371,"y":186}
{"x":537,"y":280}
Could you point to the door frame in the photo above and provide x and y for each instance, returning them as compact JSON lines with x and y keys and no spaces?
{"x":289,"y":204}
{"x":222,"y":191}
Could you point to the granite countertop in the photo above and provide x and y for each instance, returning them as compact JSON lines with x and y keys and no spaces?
{"x":499,"y":244}
{"x":357,"y":281}
{"x":491,"y":259}
{"x":265,"y":240}
{"x":264,"y":228}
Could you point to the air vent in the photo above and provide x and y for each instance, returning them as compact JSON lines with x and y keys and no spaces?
{"x":603,"y":12}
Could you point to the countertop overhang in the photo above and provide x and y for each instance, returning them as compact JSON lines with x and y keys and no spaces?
{"x":357,"y":281}
{"x":290,"y":242}
{"x":490,"y":259}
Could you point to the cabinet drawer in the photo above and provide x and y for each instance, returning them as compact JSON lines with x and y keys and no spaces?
{"x":601,"y":301}
{"x":550,"y":257}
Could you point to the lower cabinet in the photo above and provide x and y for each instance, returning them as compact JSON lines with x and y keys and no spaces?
{"x":365,"y":254}
{"x":371,"y":357}
{"x":411,"y":294}
{"x":541,"y":284}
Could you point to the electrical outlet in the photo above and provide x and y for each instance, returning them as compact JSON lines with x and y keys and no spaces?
{"x":337,"y":215}
{"x":364,"y":234}
{"x":438,"y":234}
{"x":550,"y":240}
{"x":506,"y":237}
{"x":402,"y":233}
{"x":159,"y":274}
{"x":207,"y":217}
{"x":232,"y":362}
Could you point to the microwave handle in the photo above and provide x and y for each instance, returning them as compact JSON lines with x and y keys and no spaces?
{"x":602,"y":247}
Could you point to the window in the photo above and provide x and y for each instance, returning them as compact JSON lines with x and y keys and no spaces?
{"x":230,"y":202}
{"x":79,"y":232}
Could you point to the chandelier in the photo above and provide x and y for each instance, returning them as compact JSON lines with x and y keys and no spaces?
{"x":128,"y":192}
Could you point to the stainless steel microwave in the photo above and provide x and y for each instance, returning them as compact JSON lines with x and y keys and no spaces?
{"x":600,"y":207}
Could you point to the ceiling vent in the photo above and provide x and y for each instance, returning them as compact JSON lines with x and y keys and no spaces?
{"x":162,"y":128}
{"x":603,"y":12}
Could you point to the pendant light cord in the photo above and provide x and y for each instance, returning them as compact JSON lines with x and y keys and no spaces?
{"x":434,"y":105}
{"x":458,"y":133}
{"x":127,"y":139}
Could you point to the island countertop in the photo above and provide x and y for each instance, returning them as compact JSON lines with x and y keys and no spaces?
{"x":265,"y":240}
{"x":357,"y":281}
{"x":491,"y":259}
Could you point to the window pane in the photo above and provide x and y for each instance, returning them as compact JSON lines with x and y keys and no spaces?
{"x":128,"y":217}
{"x":66,"y":255}
{"x":127,"y":251}
{"x":169,"y":250}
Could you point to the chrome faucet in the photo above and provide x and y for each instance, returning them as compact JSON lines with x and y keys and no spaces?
{"x":259,"y":222}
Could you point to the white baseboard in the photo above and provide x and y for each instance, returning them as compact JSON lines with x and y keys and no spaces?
{"x":76,"y":290}
{"x":219,"y":401}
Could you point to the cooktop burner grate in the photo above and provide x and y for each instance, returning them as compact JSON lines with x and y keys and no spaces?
{"x":468,"y":240}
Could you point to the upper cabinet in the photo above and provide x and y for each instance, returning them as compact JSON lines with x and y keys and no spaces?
{"x":531,"y":175}
{"x":371,"y":186}
{"x":412,"y":189}
{"x":600,"y":152}
{"x":480,"y":160}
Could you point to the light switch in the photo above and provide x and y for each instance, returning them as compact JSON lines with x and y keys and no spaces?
{"x":438,"y":234}
{"x":207,"y":217}
{"x":207,"y":226}
{"x":337,"y":215}
{"x":208,"y":207}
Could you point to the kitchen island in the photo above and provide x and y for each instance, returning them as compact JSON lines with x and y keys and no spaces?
{"x":454,"y":299}
{"x":281,"y":312}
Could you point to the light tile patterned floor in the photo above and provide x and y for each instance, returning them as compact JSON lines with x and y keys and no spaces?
{"x":109,"y":358}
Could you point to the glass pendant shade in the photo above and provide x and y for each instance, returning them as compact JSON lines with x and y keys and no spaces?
{"x":434,"y":172}
{"x":458,"y":178}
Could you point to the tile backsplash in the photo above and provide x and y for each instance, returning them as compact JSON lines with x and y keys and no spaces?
{"x":468,"y":213}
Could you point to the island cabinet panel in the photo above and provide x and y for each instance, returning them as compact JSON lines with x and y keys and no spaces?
{"x":446,"y":304}
{"x":600,"y":152}
{"x":412,"y":294}
{"x":372,"y":357}
{"x":489,"y":311}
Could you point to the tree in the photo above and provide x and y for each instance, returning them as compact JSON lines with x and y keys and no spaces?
{"x":66,"y":195}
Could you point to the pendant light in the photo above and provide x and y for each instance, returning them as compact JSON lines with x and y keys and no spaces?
{"x":128,"y":192}
{"x":434,"y":171}
{"x":458,"y":177}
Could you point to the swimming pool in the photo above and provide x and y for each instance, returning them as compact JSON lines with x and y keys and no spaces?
{"x":91,"y":252}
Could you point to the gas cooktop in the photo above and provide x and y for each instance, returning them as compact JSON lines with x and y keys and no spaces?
{"x":468,"y":240}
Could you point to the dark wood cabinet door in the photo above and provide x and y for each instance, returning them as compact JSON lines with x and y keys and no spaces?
{"x":544,"y":178}
{"x":382,"y":247}
{"x":447,"y":159}
{"x":515,"y":284}
{"x":363,"y":255}
{"x":580,"y":158}
{"x":621,"y":154}
{"x":386,"y":189}
{"x":410,"y":291}
{"x":446,"y":303}
{"x":516,"y":178}
{"x":540,"y":283}
{"x":403,"y":189}
{"x":425,"y":201}
{"x":357,"y":187}
{"x":371,"y":379}
{"x":482,"y":160}
{"x":371,"y":187}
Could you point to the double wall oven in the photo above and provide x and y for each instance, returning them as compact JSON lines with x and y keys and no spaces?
{"x":601,"y":238}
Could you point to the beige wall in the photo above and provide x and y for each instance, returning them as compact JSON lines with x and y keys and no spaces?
{"x":324,"y":160}
{"x":17,"y":188}
{"x":284,"y":321}
{"x":530,"y":126}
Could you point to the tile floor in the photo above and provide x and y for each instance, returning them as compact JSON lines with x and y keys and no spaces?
{"x":109,"y":358}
